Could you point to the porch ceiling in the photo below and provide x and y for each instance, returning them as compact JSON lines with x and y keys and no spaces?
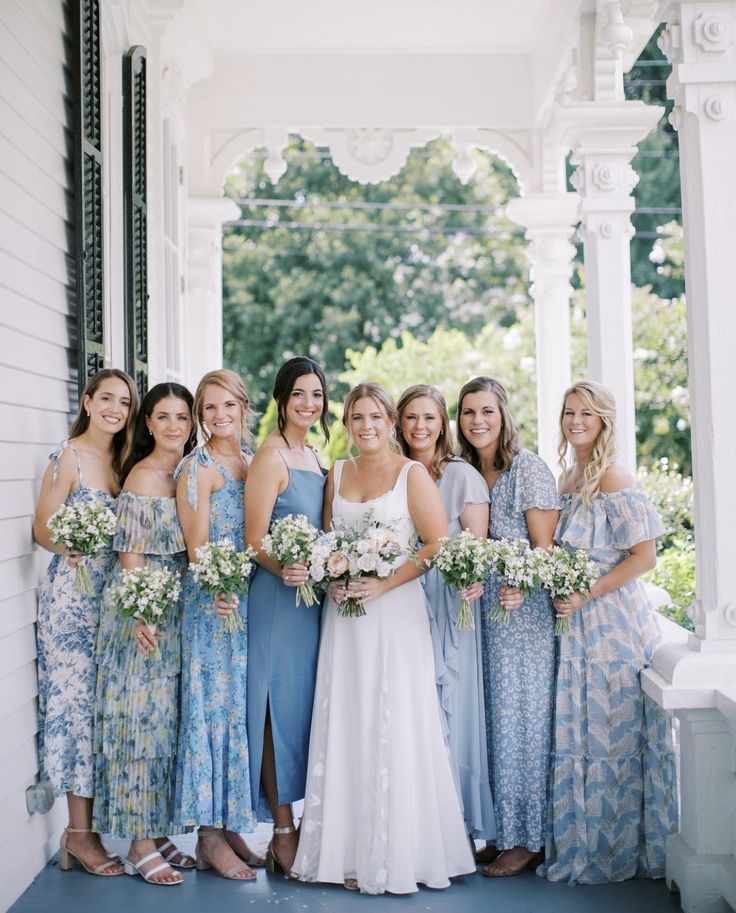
{"x":403,"y":65}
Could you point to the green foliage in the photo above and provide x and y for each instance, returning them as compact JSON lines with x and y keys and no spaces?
{"x":320,"y":292}
{"x":672,"y":494}
{"x":448,"y":358}
{"x":675,"y":572}
{"x":660,"y":377}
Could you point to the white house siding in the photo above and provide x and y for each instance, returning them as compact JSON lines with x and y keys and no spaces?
{"x":36,"y":363}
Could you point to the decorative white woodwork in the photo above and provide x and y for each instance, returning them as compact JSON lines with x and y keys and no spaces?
{"x":698,"y":681}
{"x":603,"y":138}
{"x":550,"y":221}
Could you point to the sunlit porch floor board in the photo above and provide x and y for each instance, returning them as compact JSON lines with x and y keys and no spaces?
{"x":54,"y":891}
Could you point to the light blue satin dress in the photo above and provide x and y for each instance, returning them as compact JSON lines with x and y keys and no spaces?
{"x":459,"y":664}
{"x":283,"y":643}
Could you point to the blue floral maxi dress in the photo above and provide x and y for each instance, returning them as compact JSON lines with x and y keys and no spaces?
{"x":613,"y":789}
{"x":459,"y":663}
{"x":137,"y":706}
{"x":284,"y":639}
{"x":67,"y":638}
{"x":213,"y":777}
{"x":519,"y":669}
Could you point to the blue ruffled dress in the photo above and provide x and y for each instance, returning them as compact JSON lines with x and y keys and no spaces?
{"x":137,"y":705}
{"x":612,"y":788}
{"x":213,"y":766}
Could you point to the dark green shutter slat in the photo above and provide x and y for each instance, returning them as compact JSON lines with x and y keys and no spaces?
{"x":136,"y":226}
{"x":90,"y":292}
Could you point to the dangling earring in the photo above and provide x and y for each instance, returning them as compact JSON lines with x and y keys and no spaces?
{"x":88,"y":413}
{"x":150,"y":432}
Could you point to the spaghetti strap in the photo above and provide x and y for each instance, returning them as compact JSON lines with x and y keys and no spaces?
{"x":56,"y":455}
{"x":338,"y":475}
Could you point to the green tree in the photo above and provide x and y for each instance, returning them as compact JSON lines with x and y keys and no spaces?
{"x":321,"y":291}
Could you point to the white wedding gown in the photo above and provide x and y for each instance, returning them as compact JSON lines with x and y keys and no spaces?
{"x":381,"y":803}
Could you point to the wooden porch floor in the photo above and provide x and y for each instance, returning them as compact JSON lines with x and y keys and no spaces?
{"x":54,"y":891}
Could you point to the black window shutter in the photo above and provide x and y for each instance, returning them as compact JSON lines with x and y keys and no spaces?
{"x":134,"y":203}
{"x":88,"y":189}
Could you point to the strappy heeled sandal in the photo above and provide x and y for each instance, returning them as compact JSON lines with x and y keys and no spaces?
{"x":66,"y":856}
{"x":274,"y":866}
{"x":169,"y":851}
{"x":254,"y":860}
{"x":136,"y":868}
{"x":202,"y":863}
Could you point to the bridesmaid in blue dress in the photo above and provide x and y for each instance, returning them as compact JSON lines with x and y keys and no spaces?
{"x":518,"y":658}
{"x":423,"y":431}
{"x":613,"y":788}
{"x":285,"y":478}
{"x":137,"y":705}
{"x":86,"y":468}
{"x":213,"y":777}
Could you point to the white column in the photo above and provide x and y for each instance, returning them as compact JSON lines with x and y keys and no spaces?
{"x":203,"y":325}
{"x":698,"y":679}
{"x":549,"y":219}
{"x":603,"y":138}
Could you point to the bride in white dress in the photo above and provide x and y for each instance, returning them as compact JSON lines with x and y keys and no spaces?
{"x":381,"y":811}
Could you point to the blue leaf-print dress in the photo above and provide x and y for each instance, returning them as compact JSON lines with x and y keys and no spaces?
{"x":519,"y":669}
{"x":67,"y":639}
{"x":613,"y":789}
{"x":137,"y":707}
{"x":213,"y":775}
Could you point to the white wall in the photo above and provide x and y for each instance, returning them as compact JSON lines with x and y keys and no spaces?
{"x":35,"y":360}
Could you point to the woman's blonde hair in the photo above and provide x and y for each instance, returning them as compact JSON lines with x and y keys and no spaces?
{"x":380,"y":395}
{"x":443,"y":451}
{"x":508,"y":442}
{"x":122,"y":441}
{"x":601,"y":402}
{"x":233,"y":383}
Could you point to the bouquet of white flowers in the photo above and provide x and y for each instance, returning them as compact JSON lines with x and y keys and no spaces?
{"x":564,"y":572}
{"x":348,"y":552}
{"x":516,"y":565}
{"x":220,"y":568}
{"x":289,"y":541}
{"x":463,"y":559}
{"x":85,"y":527}
{"x":146,"y":593}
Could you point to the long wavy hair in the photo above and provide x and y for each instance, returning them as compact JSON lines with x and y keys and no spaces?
{"x":380,"y":395}
{"x":602,"y":403}
{"x":233,"y":383}
{"x":508,"y":442}
{"x":286,"y":378}
{"x":123,"y":439}
{"x":443,"y":452}
{"x":143,"y":442}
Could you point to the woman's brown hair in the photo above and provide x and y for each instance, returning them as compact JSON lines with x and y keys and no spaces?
{"x":508,"y":443}
{"x":122,"y":440}
{"x":443,"y":451}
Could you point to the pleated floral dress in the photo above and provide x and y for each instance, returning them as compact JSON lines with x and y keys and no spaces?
{"x":137,"y":706}
{"x":519,"y":669}
{"x":213,"y":768}
{"x":68,"y":623}
{"x":613,"y":789}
